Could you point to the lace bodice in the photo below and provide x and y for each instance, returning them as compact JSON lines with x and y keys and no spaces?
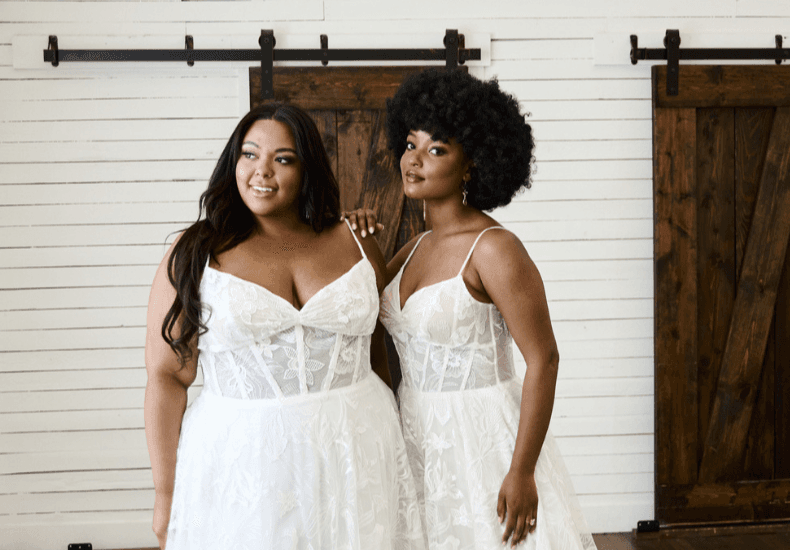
{"x":447,"y":340}
{"x":259,"y":346}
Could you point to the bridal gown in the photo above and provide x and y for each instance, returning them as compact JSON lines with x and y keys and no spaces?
{"x":459,"y":402}
{"x":293,"y":443}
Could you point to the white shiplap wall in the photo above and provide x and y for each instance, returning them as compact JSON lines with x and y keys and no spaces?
{"x":99,"y":164}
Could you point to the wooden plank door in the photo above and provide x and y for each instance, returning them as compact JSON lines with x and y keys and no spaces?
{"x":721,"y":170}
{"x":348,"y":105}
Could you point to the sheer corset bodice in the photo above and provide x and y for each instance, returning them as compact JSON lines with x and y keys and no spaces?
{"x":259,"y":346}
{"x":447,"y":340}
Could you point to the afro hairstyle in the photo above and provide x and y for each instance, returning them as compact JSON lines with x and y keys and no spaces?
{"x":483,"y":119}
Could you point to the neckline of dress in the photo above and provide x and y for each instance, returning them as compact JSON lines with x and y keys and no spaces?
{"x":458,"y":276}
{"x":413,"y":294}
{"x":277,"y":296}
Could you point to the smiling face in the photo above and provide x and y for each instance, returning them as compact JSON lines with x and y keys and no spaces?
{"x":268,"y":172}
{"x":432,"y":169}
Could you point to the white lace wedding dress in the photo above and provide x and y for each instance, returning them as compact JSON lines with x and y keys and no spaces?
{"x":293,"y":443}
{"x":459,"y":405}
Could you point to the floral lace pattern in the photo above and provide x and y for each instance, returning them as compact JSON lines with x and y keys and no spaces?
{"x":460,"y":403}
{"x":293,"y":442}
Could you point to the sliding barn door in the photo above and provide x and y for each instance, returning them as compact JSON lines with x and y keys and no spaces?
{"x":721,"y":154}
{"x":349,"y":106}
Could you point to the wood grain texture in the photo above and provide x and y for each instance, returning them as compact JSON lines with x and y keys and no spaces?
{"x":675,"y":295}
{"x":715,"y":182}
{"x":326,"y":121}
{"x":752,"y":131}
{"x":705,"y":85}
{"x":381,"y":187}
{"x":354,"y":130}
{"x":758,"y":462}
{"x":725,"y":501}
{"x":752,"y":311}
{"x":782,"y":375}
{"x":332,"y":87}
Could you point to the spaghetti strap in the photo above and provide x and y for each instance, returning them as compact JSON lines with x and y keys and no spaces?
{"x":412,"y":250}
{"x":474,"y":244}
{"x":359,"y":244}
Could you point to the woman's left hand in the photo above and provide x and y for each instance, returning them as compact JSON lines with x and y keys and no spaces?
{"x":518,"y":506}
{"x":366,"y":219}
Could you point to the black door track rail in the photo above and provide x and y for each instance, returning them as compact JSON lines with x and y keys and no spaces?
{"x":673,"y":54}
{"x":453,"y":53}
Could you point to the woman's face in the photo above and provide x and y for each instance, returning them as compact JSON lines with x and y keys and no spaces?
{"x":268,"y":172}
{"x":432,"y":169}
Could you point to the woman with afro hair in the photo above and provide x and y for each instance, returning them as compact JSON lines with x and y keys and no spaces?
{"x":487,"y":470}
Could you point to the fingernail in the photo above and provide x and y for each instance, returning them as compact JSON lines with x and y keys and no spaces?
{"x":354,"y":226}
{"x":371,"y":230}
{"x":363,"y":233}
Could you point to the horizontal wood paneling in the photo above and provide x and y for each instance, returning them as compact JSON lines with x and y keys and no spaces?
{"x":57,"y":12}
{"x":91,"y":214}
{"x":106,"y":172}
{"x":53,"y":463}
{"x":604,"y":406}
{"x":611,"y":464}
{"x":697,"y":87}
{"x":610,"y":444}
{"x":71,"y":380}
{"x":38,"y":360}
{"x":110,"y":109}
{"x":69,"y":152}
{"x":603,"y":425}
{"x":129,"y":479}
{"x":128,"y":87}
{"x":586,"y":109}
{"x":571,"y":209}
{"x":108,"y":295}
{"x":106,"y":130}
{"x":414,"y":9}
{"x":72,"y":400}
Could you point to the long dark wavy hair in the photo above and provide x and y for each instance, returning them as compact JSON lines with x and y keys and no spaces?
{"x":225,"y":221}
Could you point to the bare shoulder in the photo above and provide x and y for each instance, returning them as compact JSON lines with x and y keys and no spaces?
{"x":499,"y":243}
{"x":500,"y":255}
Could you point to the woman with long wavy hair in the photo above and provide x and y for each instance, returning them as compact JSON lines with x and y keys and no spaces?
{"x":293,"y":441}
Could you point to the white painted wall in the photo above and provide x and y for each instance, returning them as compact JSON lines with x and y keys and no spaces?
{"x":98,"y":164}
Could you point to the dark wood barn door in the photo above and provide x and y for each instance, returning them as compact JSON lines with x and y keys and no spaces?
{"x":721,"y":154}
{"x":348,"y":105}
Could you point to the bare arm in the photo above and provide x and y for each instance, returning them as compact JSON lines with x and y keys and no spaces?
{"x":165,"y":399}
{"x":513,"y":283}
{"x":367,"y":218}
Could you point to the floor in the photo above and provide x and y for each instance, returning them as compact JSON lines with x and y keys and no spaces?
{"x":764,"y":537}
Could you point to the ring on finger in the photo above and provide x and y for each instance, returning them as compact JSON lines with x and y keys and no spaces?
{"x":532,"y":522}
